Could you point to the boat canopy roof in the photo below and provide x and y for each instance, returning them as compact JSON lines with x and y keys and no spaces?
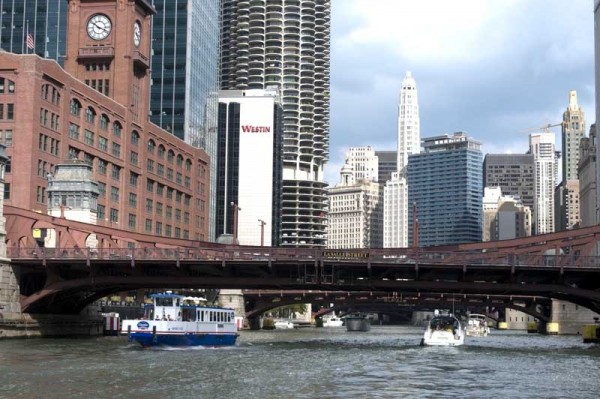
{"x":166,"y":295}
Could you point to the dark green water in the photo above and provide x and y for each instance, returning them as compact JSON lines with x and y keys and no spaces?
{"x":385,"y":362}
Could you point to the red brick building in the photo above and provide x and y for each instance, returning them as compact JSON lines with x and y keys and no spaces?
{"x":96,"y":110}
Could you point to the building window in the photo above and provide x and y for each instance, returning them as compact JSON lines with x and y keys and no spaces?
{"x":169,"y":212}
{"x":168,"y":230}
{"x":149,"y":185}
{"x":161,"y":151}
{"x":170,"y":156}
{"x":3,"y":86}
{"x":160,"y":169}
{"x":90,"y":115}
{"x":135,"y":137}
{"x":114,"y":194}
{"x":158,"y":228}
{"x":149,"y":205}
{"x":159,"y":208}
{"x":41,"y":195}
{"x":150,"y":165}
{"x":101,"y":167}
{"x":116,"y":172}
{"x":151,"y":146}
{"x":102,"y":189}
{"x":104,"y":122}
{"x":148,"y":226}
{"x":188,"y":165}
{"x":114,"y":215}
{"x":102,"y":143}
{"x":101,"y":209}
{"x":132,"y":199}
{"x":89,"y":137}
{"x":159,"y":189}
{"x":74,"y":131}
{"x":116,"y":149}
{"x":7,"y":137}
{"x":133,"y":179}
{"x":133,"y":157}
{"x":117,"y":129}
{"x":75,"y":107}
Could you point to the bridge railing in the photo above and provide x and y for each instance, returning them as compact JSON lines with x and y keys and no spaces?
{"x":373,"y":256}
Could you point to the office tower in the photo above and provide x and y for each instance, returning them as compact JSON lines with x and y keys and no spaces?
{"x":395,"y":230}
{"x":364,"y":163}
{"x":149,"y":181}
{"x":44,"y":20}
{"x":355,"y":213}
{"x":513,"y":173}
{"x":445,"y":184}
{"x":566,"y":196}
{"x":504,"y":216}
{"x":587,"y":179}
{"x":185,"y":77}
{"x":286,"y":43}
{"x":249,"y":165}
{"x":387,"y":164}
{"x":541,"y":146}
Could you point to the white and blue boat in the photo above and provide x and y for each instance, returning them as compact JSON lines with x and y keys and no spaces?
{"x":173,"y":321}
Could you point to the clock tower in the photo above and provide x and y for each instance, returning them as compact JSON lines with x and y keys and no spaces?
{"x":108,"y":48}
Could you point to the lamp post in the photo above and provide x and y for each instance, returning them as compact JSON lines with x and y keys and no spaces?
{"x":262,"y":232}
{"x":236,"y":208}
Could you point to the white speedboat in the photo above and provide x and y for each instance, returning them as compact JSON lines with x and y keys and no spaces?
{"x":332,"y":322}
{"x":443,"y":330}
{"x":477,"y":326}
{"x":283,"y":324}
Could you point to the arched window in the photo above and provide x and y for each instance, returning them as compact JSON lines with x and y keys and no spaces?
{"x":104,"y":121}
{"x":75,"y":107}
{"x":151,"y":145}
{"x":188,"y":165}
{"x":179,"y":160}
{"x":170,"y":156}
{"x":117,"y":129}
{"x":135,"y":137}
{"x":161,"y":151}
{"x":90,"y":115}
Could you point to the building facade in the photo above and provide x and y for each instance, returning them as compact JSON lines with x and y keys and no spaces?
{"x":387,"y":164}
{"x":249,"y":165}
{"x":355,"y":213}
{"x":513,"y":173}
{"x":541,"y":146}
{"x":286,"y":44}
{"x":44,"y":20}
{"x":364,"y":162}
{"x":504,"y":216}
{"x":587,"y":179}
{"x":96,"y":111}
{"x":445,"y":184}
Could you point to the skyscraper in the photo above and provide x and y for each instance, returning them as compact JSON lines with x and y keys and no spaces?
{"x":185,"y":77}
{"x":387,"y":164}
{"x":364,"y":162}
{"x":541,"y":146}
{"x":44,"y":20}
{"x":444,"y":181}
{"x":513,"y":173}
{"x":286,"y":44}
{"x":395,"y":230}
{"x":587,"y":179}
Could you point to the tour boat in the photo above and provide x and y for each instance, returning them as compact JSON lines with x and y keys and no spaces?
{"x":172,"y":321}
{"x":477,"y":325}
{"x":443,"y":330}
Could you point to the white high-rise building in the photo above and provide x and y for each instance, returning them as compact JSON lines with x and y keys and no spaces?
{"x":542,"y":146}
{"x":364,"y":162}
{"x":395,"y":194}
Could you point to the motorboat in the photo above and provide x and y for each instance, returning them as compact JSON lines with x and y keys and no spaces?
{"x":443,"y":330}
{"x":477,"y":325}
{"x":283,"y":324}
{"x":357,"y":322}
{"x":171,"y":320}
{"x":332,"y":322}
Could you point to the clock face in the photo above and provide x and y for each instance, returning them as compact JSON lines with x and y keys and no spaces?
{"x":137,"y":34}
{"x":99,"y":27}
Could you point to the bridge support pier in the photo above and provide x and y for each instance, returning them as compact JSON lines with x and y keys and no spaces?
{"x":10,"y":306}
{"x":254,"y":323}
{"x":319,"y":322}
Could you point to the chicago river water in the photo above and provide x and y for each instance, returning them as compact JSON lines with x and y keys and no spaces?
{"x":386,"y":362}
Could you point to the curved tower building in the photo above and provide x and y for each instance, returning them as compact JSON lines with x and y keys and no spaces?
{"x":285,"y":43}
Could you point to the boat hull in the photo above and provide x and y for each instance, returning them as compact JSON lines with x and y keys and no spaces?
{"x":442,"y":339}
{"x":148,"y":339}
{"x":357,"y":324}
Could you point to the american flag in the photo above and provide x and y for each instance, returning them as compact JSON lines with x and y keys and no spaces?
{"x":30,"y":43}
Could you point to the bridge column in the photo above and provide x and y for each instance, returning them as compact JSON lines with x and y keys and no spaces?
{"x":254,"y":323}
{"x":318,"y":322}
{"x":10,"y":306}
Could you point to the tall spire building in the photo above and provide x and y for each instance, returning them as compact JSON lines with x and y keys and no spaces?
{"x":286,"y":44}
{"x":395,"y":228}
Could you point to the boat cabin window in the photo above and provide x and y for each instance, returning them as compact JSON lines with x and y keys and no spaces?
{"x":164,"y":301}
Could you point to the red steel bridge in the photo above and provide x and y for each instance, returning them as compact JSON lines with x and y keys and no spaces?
{"x":64,"y":279}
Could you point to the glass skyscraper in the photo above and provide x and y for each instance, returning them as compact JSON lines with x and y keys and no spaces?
{"x":45,"y":20}
{"x":445,"y":183}
{"x":185,"y":76}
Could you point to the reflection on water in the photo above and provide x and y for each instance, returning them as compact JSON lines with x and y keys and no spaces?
{"x":386,"y":362}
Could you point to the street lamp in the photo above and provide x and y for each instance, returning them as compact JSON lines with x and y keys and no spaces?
{"x":236,"y":208}
{"x":262,"y":232}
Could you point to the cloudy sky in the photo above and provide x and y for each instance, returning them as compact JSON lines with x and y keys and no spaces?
{"x":490,"y":68}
